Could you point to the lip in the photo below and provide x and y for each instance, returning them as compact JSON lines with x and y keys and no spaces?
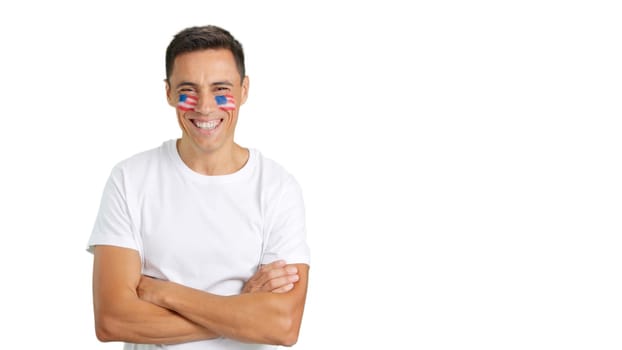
{"x":204,"y":120}
{"x":205,"y":132}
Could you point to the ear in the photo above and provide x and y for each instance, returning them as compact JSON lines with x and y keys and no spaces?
{"x":170,"y":98}
{"x":245,"y":85}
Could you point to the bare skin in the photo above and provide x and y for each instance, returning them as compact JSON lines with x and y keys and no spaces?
{"x":259,"y":317}
{"x":121,"y":315}
{"x":277,"y":277}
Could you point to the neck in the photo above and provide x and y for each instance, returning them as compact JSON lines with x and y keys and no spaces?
{"x":223,"y":161}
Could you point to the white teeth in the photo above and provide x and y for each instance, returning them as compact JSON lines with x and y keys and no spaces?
{"x":207,"y":125}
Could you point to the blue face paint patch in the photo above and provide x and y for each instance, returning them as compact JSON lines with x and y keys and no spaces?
{"x":189,"y":102}
{"x":221,"y":100}
{"x":225,"y":102}
{"x":186,"y":102}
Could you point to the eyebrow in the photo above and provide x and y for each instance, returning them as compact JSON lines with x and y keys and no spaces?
{"x":216,"y":83}
{"x":226,"y":82}
{"x":185,"y":83}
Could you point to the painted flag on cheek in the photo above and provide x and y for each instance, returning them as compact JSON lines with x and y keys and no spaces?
{"x":187,"y":102}
{"x":225,"y":102}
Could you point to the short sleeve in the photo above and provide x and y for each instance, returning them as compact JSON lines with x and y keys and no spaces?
{"x":286,"y":236}
{"x":113,"y":225}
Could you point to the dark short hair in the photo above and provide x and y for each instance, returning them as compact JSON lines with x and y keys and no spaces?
{"x":203,"y":38}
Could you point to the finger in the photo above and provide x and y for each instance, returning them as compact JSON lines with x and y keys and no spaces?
{"x":291,"y":269}
{"x":277,"y":283}
{"x":278,"y":274}
{"x":270,"y":277}
{"x":260,"y":277}
{"x":263,"y":278}
{"x":266,"y":273}
{"x":272,"y":271}
{"x":286,"y":288}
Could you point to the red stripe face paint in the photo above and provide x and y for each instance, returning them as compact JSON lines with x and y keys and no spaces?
{"x":189,"y":102}
{"x":225,"y":102}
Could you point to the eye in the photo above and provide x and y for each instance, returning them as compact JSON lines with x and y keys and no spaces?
{"x":221,"y":89}
{"x":185,"y":90}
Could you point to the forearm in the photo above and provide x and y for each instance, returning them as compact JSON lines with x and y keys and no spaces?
{"x":262,"y":317}
{"x":120,"y":315}
{"x":136,"y":321}
{"x":256,"y":318}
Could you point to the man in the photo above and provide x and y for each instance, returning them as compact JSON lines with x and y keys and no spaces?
{"x":191,"y":238}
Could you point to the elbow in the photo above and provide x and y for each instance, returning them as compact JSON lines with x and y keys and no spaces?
{"x":289,"y":340}
{"x":290,"y":336}
{"x":103,"y":334}
{"x":290,"y":328}
{"x":286,"y":335}
{"x":105,"y":329}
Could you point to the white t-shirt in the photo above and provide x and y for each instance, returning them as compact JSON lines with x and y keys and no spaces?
{"x":205,"y":232}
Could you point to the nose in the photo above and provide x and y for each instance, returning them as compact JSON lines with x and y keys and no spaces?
{"x":206,"y":103}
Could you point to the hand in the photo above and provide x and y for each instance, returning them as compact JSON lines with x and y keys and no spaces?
{"x":148,"y":287}
{"x":276,"y":277}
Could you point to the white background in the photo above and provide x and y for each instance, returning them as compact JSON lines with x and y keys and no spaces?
{"x":461,"y":161}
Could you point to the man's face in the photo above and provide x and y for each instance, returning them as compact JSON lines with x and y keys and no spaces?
{"x":203,"y":75}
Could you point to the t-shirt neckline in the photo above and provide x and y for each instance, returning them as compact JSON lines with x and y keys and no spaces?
{"x":240,"y":175}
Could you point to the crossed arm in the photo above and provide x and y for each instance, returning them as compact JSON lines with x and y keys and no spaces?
{"x":134,"y":308}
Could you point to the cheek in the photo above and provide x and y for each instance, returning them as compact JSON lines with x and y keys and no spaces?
{"x":180,"y":119}
{"x":226,"y":102}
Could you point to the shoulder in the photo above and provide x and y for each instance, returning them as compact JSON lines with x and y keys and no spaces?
{"x":273,"y":171}
{"x":145,"y":158}
{"x":278,"y":185}
{"x":139,"y":166}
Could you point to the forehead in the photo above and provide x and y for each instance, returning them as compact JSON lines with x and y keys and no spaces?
{"x":205,"y":65}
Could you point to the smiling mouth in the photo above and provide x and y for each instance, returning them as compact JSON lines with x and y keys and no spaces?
{"x":207,"y":125}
